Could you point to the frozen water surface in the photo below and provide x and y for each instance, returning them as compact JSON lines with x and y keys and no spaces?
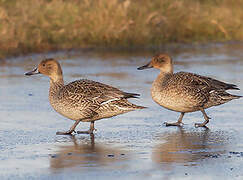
{"x":135,"y":145}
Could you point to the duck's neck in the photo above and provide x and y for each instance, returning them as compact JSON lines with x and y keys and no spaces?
{"x":166,"y":69}
{"x":161,"y":79}
{"x":55,"y":86}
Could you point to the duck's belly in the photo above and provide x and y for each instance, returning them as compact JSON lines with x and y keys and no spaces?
{"x":75,"y":113}
{"x":67,"y":112}
{"x":175,"y":103}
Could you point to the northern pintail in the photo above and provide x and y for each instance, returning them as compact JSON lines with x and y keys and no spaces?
{"x":186,"y":92}
{"x":83,"y":100}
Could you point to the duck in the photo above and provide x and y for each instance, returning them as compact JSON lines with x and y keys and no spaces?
{"x":83,"y":100}
{"x":186,"y":92}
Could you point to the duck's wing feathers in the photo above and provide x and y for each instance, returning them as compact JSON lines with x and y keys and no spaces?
{"x":199,"y":81}
{"x":97,"y":91}
{"x":90,"y":95}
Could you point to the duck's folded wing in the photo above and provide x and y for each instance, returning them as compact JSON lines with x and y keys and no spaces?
{"x":97,"y":91}
{"x":199,"y":81}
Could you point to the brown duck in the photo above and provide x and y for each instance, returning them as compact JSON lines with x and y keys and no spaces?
{"x":83,"y":100}
{"x":186,"y":92}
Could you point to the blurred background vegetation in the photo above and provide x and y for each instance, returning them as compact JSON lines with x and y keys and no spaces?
{"x":45,"y":25}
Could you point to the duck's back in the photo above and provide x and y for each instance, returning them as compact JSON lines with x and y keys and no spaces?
{"x":201,"y":82}
{"x":90,"y":100}
{"x":186,"y":92}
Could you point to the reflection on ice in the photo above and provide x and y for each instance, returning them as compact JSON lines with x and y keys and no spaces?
{"x":189,"y":146}
{"x":85,"y":154}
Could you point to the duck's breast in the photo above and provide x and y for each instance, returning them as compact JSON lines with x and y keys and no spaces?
{"x":65,"y":108}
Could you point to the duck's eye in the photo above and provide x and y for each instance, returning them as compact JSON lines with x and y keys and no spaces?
{"x":43,"y":65}
{"x":160,"y":60}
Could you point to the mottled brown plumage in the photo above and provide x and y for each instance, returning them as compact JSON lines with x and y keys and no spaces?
{"x":186,"y":92}
{"x":83,"y":100}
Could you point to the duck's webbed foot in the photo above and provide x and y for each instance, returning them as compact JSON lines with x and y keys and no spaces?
{"x":178,"y":123}
{"x":174,"y":124}
{"x":69,"y":132}
{"x":90,"y":131}
{"x":202,"y":124}
{"x":206,"y":120}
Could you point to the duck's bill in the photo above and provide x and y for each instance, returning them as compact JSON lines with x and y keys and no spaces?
{"x":35,"y":71}
{"x":146,"y":66}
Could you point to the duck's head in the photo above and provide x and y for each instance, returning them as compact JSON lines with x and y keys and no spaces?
{"x":49,"y":67}
{"x":163,"y":62}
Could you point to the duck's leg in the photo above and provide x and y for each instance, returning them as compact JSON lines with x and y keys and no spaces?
{"x":70,"y":131}
{"x":90,"y":131}
{"x":205,"y":117}
{"x":178,"y":123}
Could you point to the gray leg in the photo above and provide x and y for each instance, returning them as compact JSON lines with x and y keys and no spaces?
{"x":178,"y":123}
{"x":205,"y":117}
{"x":70,"y":131}
{"x":90,"y":131}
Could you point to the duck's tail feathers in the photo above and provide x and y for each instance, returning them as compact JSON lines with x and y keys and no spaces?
{"x":231,"y":96}
{"x":125,"y":105}
{"x":138,"y":107}
{"x":130,"y":95}
{"x":227,"y":97}
{"x":132,"y":106}
{"x":232,"y":86}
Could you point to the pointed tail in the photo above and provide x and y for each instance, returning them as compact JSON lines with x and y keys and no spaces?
{"x":130,"y":95}
{"x":231,"y":96}
{"x":124,"y":104}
